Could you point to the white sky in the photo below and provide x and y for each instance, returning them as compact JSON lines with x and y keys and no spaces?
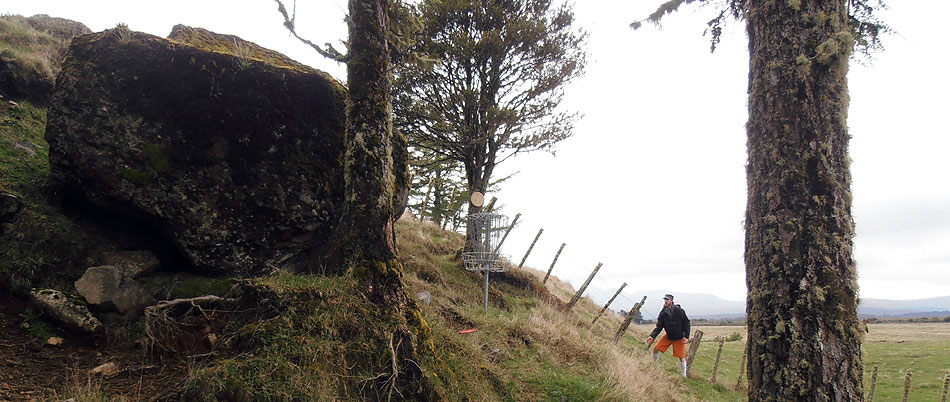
{"x":653,"y":182}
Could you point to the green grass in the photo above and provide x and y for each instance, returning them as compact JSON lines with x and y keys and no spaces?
{"x":927,"y":359}
{"x":21,"y":128}
{"x":924,"y":349}
{"x":45,"y":246}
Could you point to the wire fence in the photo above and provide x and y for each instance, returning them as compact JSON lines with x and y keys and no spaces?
{"x":721,"y":370}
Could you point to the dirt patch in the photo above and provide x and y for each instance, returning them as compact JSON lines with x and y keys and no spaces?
{"x":31,"y":369}
{"x":454,"y":319}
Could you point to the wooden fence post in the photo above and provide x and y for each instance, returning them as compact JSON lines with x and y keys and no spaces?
{"x":946,"y":384}
{"x":693,"y":347}
{"x":608,"y":304}
{"x":511,"y":226}
{"x":530,"y":248}
{"x":491,"y":204}
{"x":906,"y":385}
{"x":580,"y":292}
{"x":553,"y":262}
{"x":870,"y":396}
{"x":626,"y":321}
{"x":741,"y":370}
{"x":716,"y":365}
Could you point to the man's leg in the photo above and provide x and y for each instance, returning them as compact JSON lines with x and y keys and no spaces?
{"x":661,"y":346}
{"x":679,"y":350}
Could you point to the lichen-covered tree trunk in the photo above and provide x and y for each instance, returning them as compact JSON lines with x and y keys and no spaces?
{"x":366,"y":229}
{"x":804,"y":343}
{"x":368,"y":167}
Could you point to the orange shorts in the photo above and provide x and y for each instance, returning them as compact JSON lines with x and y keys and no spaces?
{"x":679,"y":347}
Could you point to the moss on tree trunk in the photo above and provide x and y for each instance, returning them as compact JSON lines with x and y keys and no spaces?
{"x":804,"y":342}
{"x":366,"y":228}
{"x":368,"y":165}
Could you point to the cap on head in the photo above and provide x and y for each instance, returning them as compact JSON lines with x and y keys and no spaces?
{"x":667,"y":297}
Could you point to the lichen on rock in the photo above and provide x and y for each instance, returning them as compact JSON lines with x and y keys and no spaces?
{"x":236,"y":159}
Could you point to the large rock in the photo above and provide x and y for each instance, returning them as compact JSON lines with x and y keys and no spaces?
{"x":66,"y":311}
{"x":235,"y":154}
{"x":132,"y":264}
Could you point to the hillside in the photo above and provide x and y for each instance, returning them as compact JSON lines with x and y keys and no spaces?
{"x":283,"y":336}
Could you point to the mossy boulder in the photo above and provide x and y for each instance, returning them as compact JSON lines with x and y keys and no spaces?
{"x":234,"y":157}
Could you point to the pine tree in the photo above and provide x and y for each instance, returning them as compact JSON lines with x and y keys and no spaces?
{"x":804,"y":339}
{"x":494,"y":80}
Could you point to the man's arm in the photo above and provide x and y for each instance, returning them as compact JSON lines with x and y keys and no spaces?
{"x":685,"y":324}
{"x":659,"y":326}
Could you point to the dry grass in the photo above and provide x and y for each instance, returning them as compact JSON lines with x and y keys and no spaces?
{"x":908,"y":332}
{"x":31,"y":53}
{"x":531,"y":347}
{"x":628,"y":374}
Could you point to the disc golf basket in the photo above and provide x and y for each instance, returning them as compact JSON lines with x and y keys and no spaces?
{"x":481,"y":253}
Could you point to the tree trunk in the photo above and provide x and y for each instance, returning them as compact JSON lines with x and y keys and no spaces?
{"x":477,"y":178}
{"x":368,"y":166}
{"x":804,"y":342}
{"x":366,"y":229}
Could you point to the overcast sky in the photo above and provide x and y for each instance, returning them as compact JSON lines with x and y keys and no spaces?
{"x":653,"y":182}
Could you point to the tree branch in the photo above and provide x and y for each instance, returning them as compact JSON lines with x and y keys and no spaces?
{"x":329,"y":52}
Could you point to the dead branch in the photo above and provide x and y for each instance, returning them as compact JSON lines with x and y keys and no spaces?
{"x":290,"y":24}
{"x":164,"y":322}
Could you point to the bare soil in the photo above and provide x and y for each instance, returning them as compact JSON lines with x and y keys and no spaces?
{"x":31,"y":369}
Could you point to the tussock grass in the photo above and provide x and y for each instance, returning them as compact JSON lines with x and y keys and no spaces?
{"x":31,"y":53}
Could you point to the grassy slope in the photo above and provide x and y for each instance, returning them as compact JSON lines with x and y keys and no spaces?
{"x":44,"y":247}
{"x":526,"y":346}
{"x":328,"y":344}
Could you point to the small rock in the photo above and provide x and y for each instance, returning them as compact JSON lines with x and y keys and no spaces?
{"x":25,"y":146}
{"x":58,"y":306}
{"x":54,"y":341}
{"x":424,"y":297}
{"x":10,"y":205}
{"x":108,"y":369}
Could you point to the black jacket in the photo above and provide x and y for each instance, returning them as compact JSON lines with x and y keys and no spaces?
{"x":676,"y":324}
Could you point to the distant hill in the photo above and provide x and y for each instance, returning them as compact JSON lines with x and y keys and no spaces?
{"x":697,"y":305}
{"x":882,"y":308}
{"x":702,"y":305}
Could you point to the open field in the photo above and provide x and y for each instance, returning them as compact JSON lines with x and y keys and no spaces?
{"x":924,"y":349}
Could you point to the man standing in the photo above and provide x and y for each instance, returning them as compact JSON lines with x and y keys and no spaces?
{"x":674,"y":320}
